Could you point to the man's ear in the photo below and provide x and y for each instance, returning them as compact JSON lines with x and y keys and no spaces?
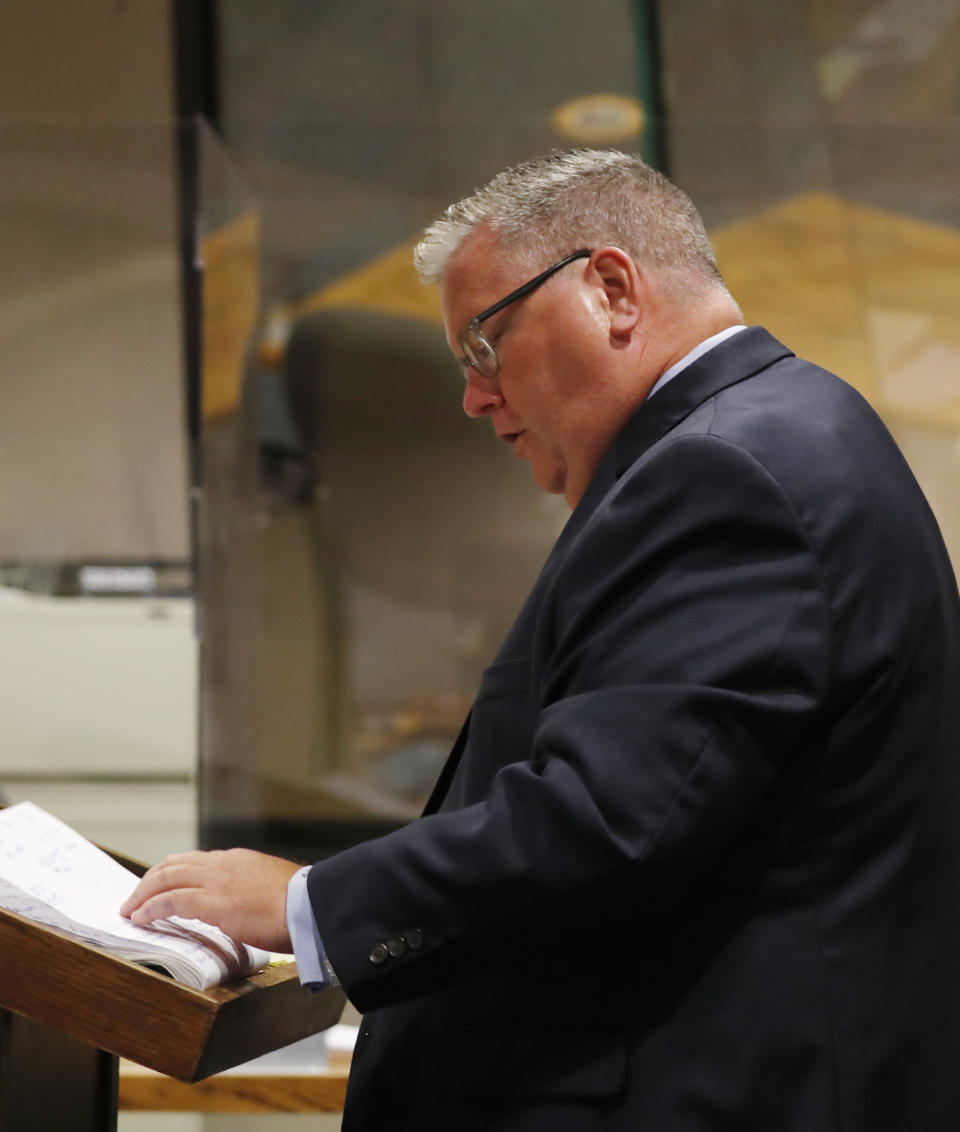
{"x":623,"y":289}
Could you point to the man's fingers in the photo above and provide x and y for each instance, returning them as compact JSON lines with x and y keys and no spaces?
{"x":188,"y":903}
{"x":238,"y":890}
{"x":173,"y":873}
{"x":156,"y":908}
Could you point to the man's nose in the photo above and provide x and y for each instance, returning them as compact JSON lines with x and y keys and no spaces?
{"x":481,"y":394}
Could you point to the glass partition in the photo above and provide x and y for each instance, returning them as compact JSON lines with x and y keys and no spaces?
{"x":361,"y":549}
{"x":365,"y":545}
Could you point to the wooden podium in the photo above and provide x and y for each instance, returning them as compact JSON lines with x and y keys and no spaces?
{"x":68,"y":1012}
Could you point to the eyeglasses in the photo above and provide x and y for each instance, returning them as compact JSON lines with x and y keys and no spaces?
{"x":477,"y":351}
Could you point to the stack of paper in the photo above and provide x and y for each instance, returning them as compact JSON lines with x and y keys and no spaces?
{"x":51,"y":874}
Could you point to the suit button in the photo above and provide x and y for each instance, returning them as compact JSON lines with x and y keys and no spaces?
{"x":414,"y":939}
{"x":396,"y":947}
{"x":378,"y":954}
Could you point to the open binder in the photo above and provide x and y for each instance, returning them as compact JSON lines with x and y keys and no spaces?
{"x":69,"y":1011}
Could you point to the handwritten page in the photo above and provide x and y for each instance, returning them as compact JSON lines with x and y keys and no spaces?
{"x":51,"y":874}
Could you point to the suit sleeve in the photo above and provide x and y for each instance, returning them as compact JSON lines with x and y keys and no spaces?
{"x":687,"y":646}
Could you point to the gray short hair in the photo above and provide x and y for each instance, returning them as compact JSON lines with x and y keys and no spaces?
{"x":553,"y":205}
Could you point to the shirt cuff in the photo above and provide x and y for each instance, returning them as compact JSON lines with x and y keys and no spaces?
{"x":308,"y":950}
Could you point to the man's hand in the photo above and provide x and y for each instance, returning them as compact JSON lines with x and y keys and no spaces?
{"x":242,"y":892}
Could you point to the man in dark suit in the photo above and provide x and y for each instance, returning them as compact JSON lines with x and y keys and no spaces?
{"x":694,"y":862}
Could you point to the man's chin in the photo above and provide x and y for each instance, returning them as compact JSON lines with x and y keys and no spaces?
{"x":552,"y":478}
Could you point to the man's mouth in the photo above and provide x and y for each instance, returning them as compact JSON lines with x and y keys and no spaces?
{"x":516,"y":439}
{"x":510,"y":437}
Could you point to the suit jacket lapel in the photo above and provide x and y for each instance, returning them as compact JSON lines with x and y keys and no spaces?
{"x":735,"y":359}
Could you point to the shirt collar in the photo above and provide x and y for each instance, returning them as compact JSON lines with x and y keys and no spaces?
{"x":697,"y":352}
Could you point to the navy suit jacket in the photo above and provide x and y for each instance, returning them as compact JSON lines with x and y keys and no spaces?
{"x":694,"y":862}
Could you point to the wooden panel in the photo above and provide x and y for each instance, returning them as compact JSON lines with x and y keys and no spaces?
{"x":231,"y":295}
{"x":872,"y":295}
{"x":142,"y":1090}
{"x":260,"y":1014}
{"x":146,"y":1017}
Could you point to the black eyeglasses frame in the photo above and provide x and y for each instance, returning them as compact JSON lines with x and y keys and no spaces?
{"x":485,"y":361}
